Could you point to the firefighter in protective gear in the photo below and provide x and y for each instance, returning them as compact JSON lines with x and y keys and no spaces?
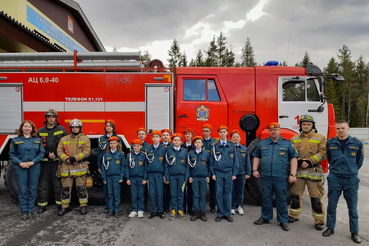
{"x":50,"y":134}
{"x":311,"y":148}
{"x":73,"y":149}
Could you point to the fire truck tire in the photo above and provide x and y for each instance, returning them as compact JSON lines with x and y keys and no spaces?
{"x":253,"y":185}
{"x":9,"y":180}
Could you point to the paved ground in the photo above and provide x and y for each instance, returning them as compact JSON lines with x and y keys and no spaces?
{"x":95,"y":229}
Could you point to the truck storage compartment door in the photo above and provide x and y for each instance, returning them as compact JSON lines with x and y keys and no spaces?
{"x":298,"y":96}
{"x":158,"y":107}
{"x":11,"y":111}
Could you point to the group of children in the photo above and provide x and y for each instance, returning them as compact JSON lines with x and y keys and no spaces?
{"x":172,"y":165}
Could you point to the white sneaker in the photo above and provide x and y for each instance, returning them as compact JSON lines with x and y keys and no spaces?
{"x":240,"y":210}
{"x":132,"y":214}
{"x":140,"y":214}
{"x":233,"y":211}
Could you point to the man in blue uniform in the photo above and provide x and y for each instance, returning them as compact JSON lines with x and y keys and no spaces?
{"x":275,"y":156}
{"x":224,"y":171}
{"x":345,"y":156}
{"x":208,"y":141}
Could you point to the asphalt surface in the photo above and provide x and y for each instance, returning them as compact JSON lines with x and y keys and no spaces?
{"x":94,"y":229}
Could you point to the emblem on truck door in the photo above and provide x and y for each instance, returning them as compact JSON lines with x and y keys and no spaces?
{"x":202,"y":113}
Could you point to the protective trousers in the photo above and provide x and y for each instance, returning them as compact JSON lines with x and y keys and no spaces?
{"x":176,"y":182}
{"x":137,"y":193}
{"x":48,"y":180}
{"x":199,"y":187}
{"x":27,"y":180}
{"x":238,"y":188}
{"x":277,"y":185}
{"x":156,"y":188}
{"x":67,"y":183}
{"x":223,"y":188}
{"x":316,"y":193}
{"x":350,"y":187}
{"x":113,"y":192}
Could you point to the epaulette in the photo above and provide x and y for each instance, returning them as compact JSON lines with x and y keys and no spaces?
{"x":207,"y":150}
{"x":215,"y":143}
{"x":164,"y":145}
{"x":330,"y":140}
{"x":191,"y":151}
{"x":143,"y":152}
{"x":230,"y":141}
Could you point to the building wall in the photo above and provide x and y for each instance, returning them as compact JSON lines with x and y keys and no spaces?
{"x":51,"y":20}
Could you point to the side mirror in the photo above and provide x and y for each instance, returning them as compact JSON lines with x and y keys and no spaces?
{"x":337,"y":77}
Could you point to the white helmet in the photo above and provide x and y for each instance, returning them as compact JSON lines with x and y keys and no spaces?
{"x":75,"y":122}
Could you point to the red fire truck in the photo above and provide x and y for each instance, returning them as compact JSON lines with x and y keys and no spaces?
{"x":94,"y":87}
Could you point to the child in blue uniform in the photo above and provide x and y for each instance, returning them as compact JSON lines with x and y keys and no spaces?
{"x":141,"y":135}
{"x":244,"y":172}
{"x":224,"y":171}
{"x":188,"y":145}
{"x":178,"y":174}
{"x":112,"y":173}
{"x":155,"y":155}
{"x":110,"y":130}
{"x":200,"y":159}
{"x":136,"y":176}
{"x":166,"y":134}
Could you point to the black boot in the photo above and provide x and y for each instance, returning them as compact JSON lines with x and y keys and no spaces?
{"x":203,"y":216}
{"x":261,"y":221}
{"x":24,"y":216}
{"x":328,"y":232}
{"x":83,"y":210}
{"x":62,"y":211}
{"x":355,"y":237}
{"x":59,"y":207}
{"x":194,"y":216}
{"x":41,"y":210}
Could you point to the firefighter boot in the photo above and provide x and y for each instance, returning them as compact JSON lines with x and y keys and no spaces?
{"x":63,"y":211}
{"x":41,"y":209}
{"x":83,"y":210}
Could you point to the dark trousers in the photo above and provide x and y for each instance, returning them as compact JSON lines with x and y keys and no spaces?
{"x":27,"y":180}
{"x":166,"y":196}
{"x":113,"y":184}
{"x":47,"y":182}
{"x":188,"y":198}
{"x":238,"y":191}
{"x":349,"y":187}
{"x":137,"y":193}
{"x":199,"y":187}
{"x":223,"y":193}
{"x":278,"y":186}
{"x":176,"y":192}
{"x":156,"y":188}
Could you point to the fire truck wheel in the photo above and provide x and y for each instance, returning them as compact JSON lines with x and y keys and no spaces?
{"x":253,"y":185}
{"x":9,"y":180}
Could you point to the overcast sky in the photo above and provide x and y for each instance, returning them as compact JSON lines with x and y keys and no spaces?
{"x":280,"y":30}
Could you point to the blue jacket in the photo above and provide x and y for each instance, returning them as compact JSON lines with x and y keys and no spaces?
{"x":200,"y":163}
{"x":113,"y":164}
{"x":156,"y":159}
{"x":177,"y":163}
{"x":346,"y":162}
{"x":243,"y":159}
{"x":208,"y":144}
{"x":275,"y":157}
{"x":225,"y":158}
{"x":26,"y":149}
{"x":136,"y":165}
{"x":189,"y":147}
{"x":103,"y":144}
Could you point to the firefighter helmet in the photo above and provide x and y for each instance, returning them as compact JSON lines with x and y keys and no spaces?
{"x":75,"y":122}
{"x":51,"y":112}
{"x":307,"y":118}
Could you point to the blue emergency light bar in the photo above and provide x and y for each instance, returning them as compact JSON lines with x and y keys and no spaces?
{"x":271,"y":63}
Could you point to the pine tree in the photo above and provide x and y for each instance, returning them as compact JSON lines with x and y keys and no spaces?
{"x":330,"y":89}
{"x":199,"y":61}
{"x":305,"y":61}
{"x":362,"y":78}
{"x":222,"y":50}
{"x":145,"y":58}
{"x":230,"y":58}
{"x":183,"y":62}
{"x":192,"y":63}
{"x":247,"y":57}
{"x":212,"y":55}
{"x":174,"y":54}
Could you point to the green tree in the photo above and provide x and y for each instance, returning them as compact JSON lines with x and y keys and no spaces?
{"x":361,"y":77}
{"x":247,"y":57}
{"x":192,"y":63}
{"x":330,"y":89}
{"x":183,"y":62}
{"x":212,"y":55}
{"x":222,"y":50}
{"x":199,"y":61}
{"x":145,"y":58}
{"x":305,"y":60}
{"x":174,"y":54}
{"x":283,"y":64}
{"x":230,"y":58}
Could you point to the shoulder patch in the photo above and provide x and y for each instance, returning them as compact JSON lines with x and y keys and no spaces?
{"x":164,"y":145}
{"x":207,"y":150}
{"x":215,"y":142}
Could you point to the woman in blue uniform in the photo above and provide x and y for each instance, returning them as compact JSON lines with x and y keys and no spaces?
{"x":26,"y":152}
{"x":110,"y":130}
{"x":112,"y":173}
